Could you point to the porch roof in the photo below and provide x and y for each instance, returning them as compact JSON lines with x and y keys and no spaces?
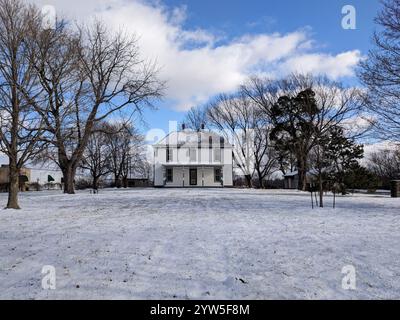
{"x":193,"y":165}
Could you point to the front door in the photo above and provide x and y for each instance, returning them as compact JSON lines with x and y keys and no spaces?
{"x":193,"y":177}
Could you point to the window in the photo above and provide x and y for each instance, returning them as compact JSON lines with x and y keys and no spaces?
{"x":217,"y":175}
{"x":217,"y":155}
{"x":170,"y":175}
{"x":193,"y":155}
{"x":210,"y":142}
{"x":222,"y":142}
{"x":169,"y":155}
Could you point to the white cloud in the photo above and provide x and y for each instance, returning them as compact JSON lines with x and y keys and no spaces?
{"x":335,"y":67}
{"x":378,"y":147}
{"x":196,"y":63}
{"x":371,"y":148}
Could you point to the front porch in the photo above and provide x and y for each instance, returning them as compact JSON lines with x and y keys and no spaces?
{"x":193,"y":176}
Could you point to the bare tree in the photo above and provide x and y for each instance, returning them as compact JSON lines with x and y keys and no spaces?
{"x":135,"y":159}
{"x":286,"y":103}
{"x":340,"y":112}
{"x":97,"y":156}
{"x":266,"y":159}
{"x":380,"y":72}
{"x":196,"y":118}
{"x":89,"y":76}
{"x":248,"y":126}
{"x":235,"y":115}
{"x":118,"y":139}
{"x":21,"y":127}
{"x":265,"y":93}
{"x":386,"y":165}
{"x":126,"y":147}
{"x":339,"y":106}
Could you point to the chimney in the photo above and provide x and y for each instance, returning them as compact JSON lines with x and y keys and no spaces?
{"x":203,"y":126}
{"x":183,"y":127}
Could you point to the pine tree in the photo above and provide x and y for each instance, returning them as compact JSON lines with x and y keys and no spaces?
{"x":358,"y":177}
{"x":333,"y":156}
{"x":294,"y":128}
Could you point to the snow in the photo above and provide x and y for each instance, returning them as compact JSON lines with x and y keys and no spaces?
{"x":199,"y":244}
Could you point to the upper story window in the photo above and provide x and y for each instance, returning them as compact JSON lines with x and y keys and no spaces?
{"x":217,"y":155}
{"x":210,"y":142}
{"x":222,"y":142}
{"x":169,"y":154}
{"x":193,"y":155}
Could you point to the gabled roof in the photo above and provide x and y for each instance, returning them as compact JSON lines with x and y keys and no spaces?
{"x":311,"y":172}
{"x":192,"y":138}
{"x":291,"y":174}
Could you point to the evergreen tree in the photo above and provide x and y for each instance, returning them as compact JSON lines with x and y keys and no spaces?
{"x":358,"y":177}
{"x":294,"y":128}
{"x":344,"y":152}
{"x":333,"y":156}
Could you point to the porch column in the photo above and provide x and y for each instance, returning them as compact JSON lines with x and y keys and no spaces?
{"x":223,"y":177}
{"x":164,"y":175}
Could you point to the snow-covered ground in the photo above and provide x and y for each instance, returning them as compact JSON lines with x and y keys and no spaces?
{"x":199,"y":244}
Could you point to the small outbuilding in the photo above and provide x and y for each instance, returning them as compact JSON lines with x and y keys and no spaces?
{"x":32,"y":179}
{"x":138,"y":183}
{"x":292,"y":180}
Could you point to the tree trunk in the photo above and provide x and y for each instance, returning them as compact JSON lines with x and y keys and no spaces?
{"x":69,"y":179}
{"x":95,"y":184}
{"x":260,"y":179}
{"x":321,"y":191}
{"x":117,"y":181}
{"x":302,"y":171}
{"x":125,"y":182}
{"x":13,"y":187}
{"x":248,"y":181}
{"x":301,"y":179}
{"x":304,"y":181}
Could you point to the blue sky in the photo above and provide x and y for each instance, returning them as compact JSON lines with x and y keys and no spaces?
{"x":211,"y":46}
{"x":266,"y":16}
{"x":233,"y":19}
{"x":205,"y":47}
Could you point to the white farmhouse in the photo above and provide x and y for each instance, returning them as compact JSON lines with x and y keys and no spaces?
{"x":193,"y":159}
